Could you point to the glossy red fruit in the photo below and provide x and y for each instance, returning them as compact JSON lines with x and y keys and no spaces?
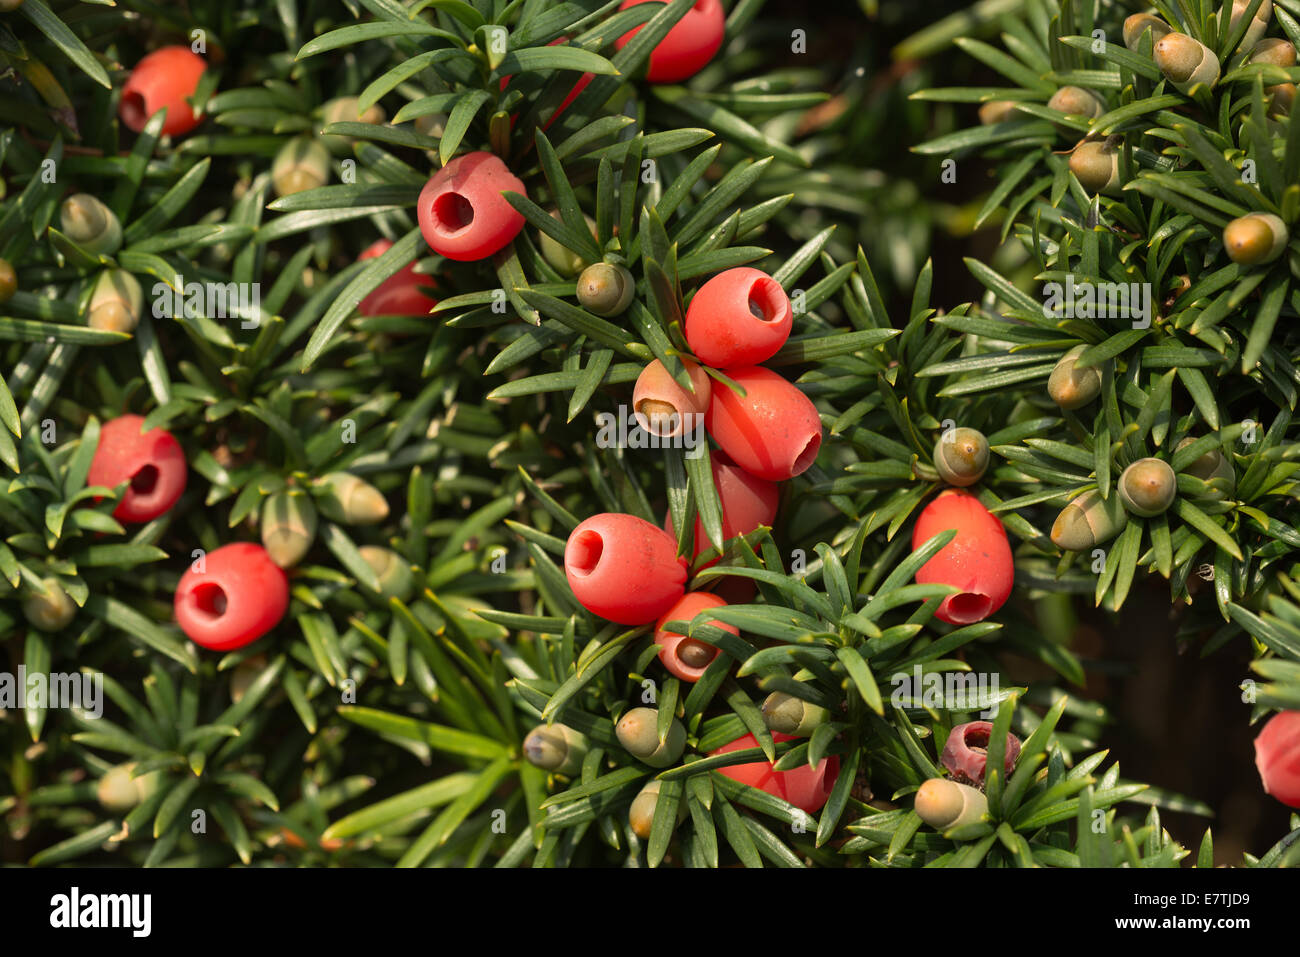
{"x":966,"y":752}
{"x":747,"y":502}
{"x":153,"y":464}
{"x":164,"y":78}
{"x":738,"y":318}
{"x":689,"y":45}
{"x":978,"y":560}
{"x":622,"y":568}
{"x":238,"y":597}
{"x":1277,"y":756}
{"x":772,"y":432}
{"x":687,"y":658}
{"x":401,"y":293}
{"x":566,"y":102}
{"x":461,"y":211}
{"x":804,"y":787}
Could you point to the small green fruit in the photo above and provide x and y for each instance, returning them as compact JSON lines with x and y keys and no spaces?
{"x":605,"y":289}
{"x":1185,"y":62}
{"x":1148,"y":487}
{"x":1071,"y":387}
{"x":1138,"y":24}
{"x":997,"y":111}
{"x":51,"y":612}
{"x":1088,"y":521}
{"x":961,"y":456}
{"x":556,"y":748}
{"x":8,"y":281}
{"x":1215,"y":469}
{"x":396,"y":580}
{"x":1076,"y":101}
{"x":641,"y":814}
{"x":302,"y":164}
{"x":1255,"y":239}
{"x":786,"y":714}
{"x":945,"y":804}
{"x":90,"y":224}
{"x":116,"y":303}
{"x":1096,"y":166}
{"x":346,"y":109}
{"x":288,"y":527}
{"x":638,"y":733}
{"x":562,"y":259}
{"x":351,"y":500}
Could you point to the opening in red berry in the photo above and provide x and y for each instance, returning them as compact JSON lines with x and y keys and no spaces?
{"x":145,"y":480}
{"x":210,"y":599}
{"x":452,"y":212}
{"x":976,"y":738}
{"x":808,"y":455}
{"x":967,"y":608}
{"x":133,"y":110}
{"x":584,"y":551}
{"x":765,"y":299}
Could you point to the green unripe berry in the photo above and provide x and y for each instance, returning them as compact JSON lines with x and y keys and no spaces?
{"x":1138,"y":24}
{"x":1096,"y":166}
{"x":1255,"y":239}
{"x":1186,"y":63}
{"x":961,"y":456}
{"x":1088,"y":521}
{"x":1147,"y":487}
{"x":1076,"y":101}
{"x":1274,"y":50}
{"x":116,"y":303}
{"x":118,"y":791}
{"x":302,"y":164}
{"x":351,"y":500}
{"x":556,"y":748}
{"x":639,"y":735}
{"x":50,"y":612}
{"x":945,"y":804}
{"x":288,"y":527}
{"x":641,"y":814}
{"x":605,"y":289}
{"x":346,"y":109}
{"x":562,"y":259}
{"x":8,"y":281}
{"x":1071,"y":387}
{"x":786,"y":714}
{"x":90,"y":224}
{"x":997,"y":111}
{"x":1213,"y":468}
{"x":396,"y":580}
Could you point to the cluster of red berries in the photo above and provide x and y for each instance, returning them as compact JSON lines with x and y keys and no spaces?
{"x":229,"y":597}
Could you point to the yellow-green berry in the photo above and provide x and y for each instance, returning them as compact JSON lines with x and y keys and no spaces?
{"x":1147,"y":487}
{"x":90,"y":224}
{"x":52,"y":611}
{"x":288,"y":527}
{"x":605,"y":289}
{"x":556,"y":748}
{"x":302,"y":164}
{"x":961,"y":456}
{"x":945,"y":804}
{"x":638,"y":733}
{"x":116,"y":303}
{"x":1071,"y":387}
{"x":1088,"y":521}
{"x":1255,"y":239}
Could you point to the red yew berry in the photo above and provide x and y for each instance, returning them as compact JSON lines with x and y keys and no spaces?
{"x":689,"y":45}
{"x":153,"y":463}
{"x":164,"y":78}
{"x":738,"y":318}
{"x":687,"y":658}
{"x":978,"y":560}
{"x":804,"y":787}
{"x":773,"y":431}
{"x":967,"y":751}
{"x":1277,"y":756}
{"x":747,"y":502}
{"x":461,"y":211}
{"x":238,"y":597}
{"x":664,"y":408}
{"x":622,"y":568}
{"x":400,"y":294}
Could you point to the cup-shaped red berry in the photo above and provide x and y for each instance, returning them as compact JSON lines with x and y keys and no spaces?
{"x":1277,"y":756}
{"x":152,"y":463}
{"x":747,"y":502}
{"x":624,"y":569}
{"x":772,"y":432}
{"x":804,"y":787}
{"x":689,"y":45}
{"x":664,"y":408}
{"x":687,"y":658}
{"x":401,"y":294}
{"x":978,"y":560}
{"x":237,"y":597}
{"x":738,"y":318}
{"x":164,"y":78}
{"x":461,"y":211}
{"x":966,"y":752}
